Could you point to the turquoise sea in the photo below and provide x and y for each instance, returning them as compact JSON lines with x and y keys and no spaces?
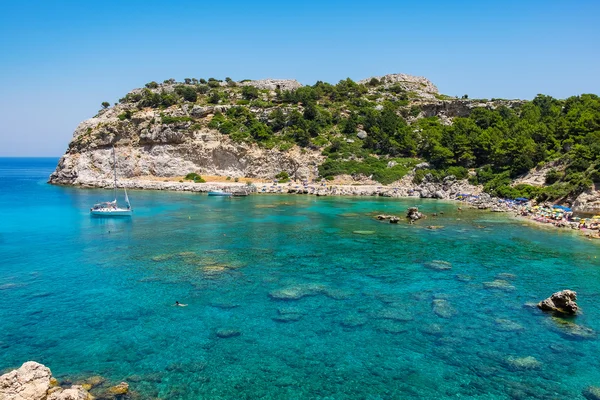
{"x":285,"y":301}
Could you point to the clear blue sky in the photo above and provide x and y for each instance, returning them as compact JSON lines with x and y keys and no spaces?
{"x":60,"y":59}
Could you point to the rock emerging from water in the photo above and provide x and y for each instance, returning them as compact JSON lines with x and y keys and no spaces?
{"x":33,"y":381}
{"x":562,"y":302}
{"x":413,"y":214}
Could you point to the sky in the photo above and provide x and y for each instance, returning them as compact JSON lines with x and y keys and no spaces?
{"x":59,"y":60}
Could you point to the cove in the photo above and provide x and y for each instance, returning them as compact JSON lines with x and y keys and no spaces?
{"x":285,"y":300}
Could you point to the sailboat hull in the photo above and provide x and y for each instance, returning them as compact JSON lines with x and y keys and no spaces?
{"x":111,"y":213}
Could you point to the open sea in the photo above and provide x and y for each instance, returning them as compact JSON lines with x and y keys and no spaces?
{"x":286,"y":300}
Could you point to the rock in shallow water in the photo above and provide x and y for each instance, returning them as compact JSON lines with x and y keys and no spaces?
{"x":591,"y":393}
{"x":287,"y":317}
{"x":508,"y":325}
{"x":562,"y":302}
{"x":499,"y":284}
{"x":228,"y":333}
{"x":571,"y":330}
{"x":443,"y":309}
{"x":439,"y":265}
{"x":523,"y":363}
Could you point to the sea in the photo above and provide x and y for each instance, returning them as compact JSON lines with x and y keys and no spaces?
{"x":290,"y":296}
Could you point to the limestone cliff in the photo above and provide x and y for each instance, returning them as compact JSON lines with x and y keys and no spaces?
{"x":146,"y":147}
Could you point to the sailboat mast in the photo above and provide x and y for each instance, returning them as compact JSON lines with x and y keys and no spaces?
{"x":115,"y":171}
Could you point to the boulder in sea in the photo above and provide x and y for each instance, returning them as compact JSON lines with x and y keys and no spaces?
{"x":413,"y":214}
{"x":591,"y":393}
{"x":394,"y":220}
{"x":562,"y":302}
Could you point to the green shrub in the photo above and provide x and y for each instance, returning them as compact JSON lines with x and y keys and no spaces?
{"x":151,"y":85}
{"x":191,"y":176}
{"x":283,"y":177}
{"x":553,"y":176}
{"x":167,"y":119}
{"x":125,"y":115}
{"x":187,"y":92}
{"x":250,"y":92}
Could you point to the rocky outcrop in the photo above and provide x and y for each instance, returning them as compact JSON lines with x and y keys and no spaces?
{"x":462,"y":108}
{"x":172,"y":153}
{"x":413,"y":214}
{"x":33,"y":381}
{"x":588,"y":201}
{"x":30,"y":382}
{"x":409,"y":83}
{"x":562,"y":302}
{"x":273,"y":84}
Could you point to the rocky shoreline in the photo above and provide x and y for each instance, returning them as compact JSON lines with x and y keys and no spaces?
{"x":34,"y":381}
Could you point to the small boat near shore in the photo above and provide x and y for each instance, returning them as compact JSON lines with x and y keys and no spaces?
{"x":219,"y":192}
{"x":112,"y":208}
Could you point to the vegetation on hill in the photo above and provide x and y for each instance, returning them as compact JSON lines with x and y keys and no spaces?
{"x":376,"y":130}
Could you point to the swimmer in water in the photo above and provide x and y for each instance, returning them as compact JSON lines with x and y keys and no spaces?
{"x":179,"y":304}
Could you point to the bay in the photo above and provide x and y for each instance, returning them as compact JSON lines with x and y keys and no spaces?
{"x":284,"y":298}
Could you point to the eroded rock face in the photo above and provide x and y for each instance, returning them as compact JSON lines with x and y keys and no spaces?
{"x":30,"y":382}
{"x":410,"y":83}
{"x":562,"y":302}
{"x":588,"y":201}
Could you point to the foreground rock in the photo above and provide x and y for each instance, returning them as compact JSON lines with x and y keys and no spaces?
{"x":562,"y":302}
{"x":33,"y":381}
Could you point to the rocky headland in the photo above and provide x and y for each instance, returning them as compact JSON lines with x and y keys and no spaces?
{"x":247,"y":130}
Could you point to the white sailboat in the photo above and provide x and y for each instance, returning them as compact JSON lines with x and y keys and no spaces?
{"x":111,"y":208}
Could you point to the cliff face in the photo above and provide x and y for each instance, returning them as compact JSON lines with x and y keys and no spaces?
{"x":148,"y":148}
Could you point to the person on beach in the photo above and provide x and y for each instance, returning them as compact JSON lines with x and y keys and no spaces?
{"x":179,"y":304}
